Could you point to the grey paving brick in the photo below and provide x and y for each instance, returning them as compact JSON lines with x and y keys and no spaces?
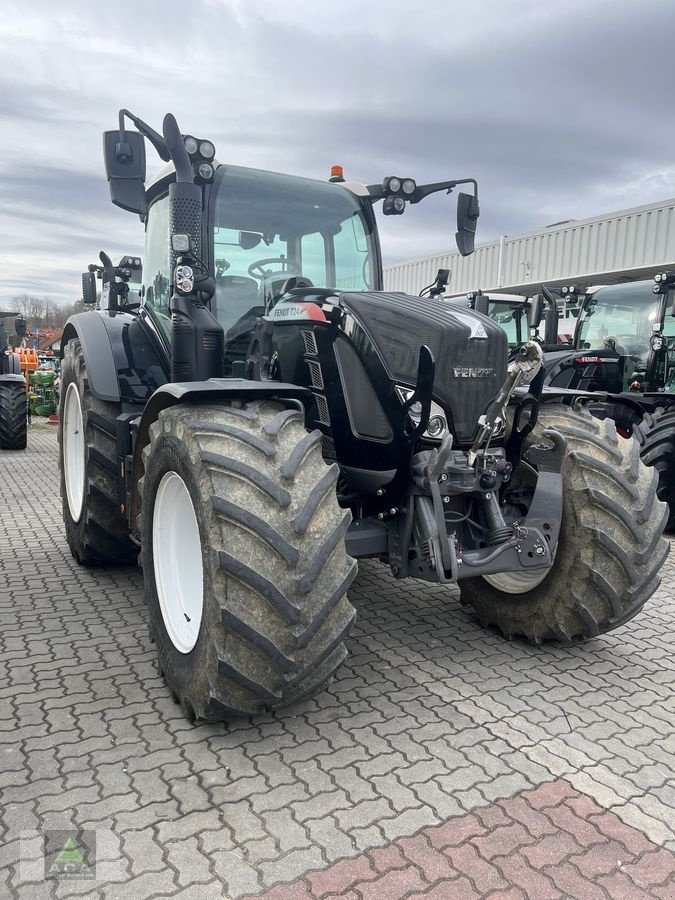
{"x":364,"y":813}
{"x":432,"y":717}
{"x":190,"y":864}
{"x":334,"y":842}
{"x":321,"y":805}
{"x":399,"y":795}
{"x":292,"y":865}
{"x":144,"y":853}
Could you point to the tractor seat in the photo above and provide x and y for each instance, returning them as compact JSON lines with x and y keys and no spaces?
{"x":235,"y":296}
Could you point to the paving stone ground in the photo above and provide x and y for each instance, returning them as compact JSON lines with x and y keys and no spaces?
{"x":443,"y":762}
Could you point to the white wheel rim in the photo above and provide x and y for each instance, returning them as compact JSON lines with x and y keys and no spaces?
{"x":519,"y":582}
{"x":177,"y":560}
{"x":73,"y":452}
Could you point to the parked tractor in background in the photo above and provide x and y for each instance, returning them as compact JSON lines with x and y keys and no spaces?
{"x":13,"y":401}
{"x":269,"y":414}
{"x":520,"y":317}
{"x":624,"y":349}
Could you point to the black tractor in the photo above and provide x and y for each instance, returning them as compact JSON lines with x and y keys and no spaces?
{"x":13,"y":399}
{"x":268,"y":415}
{"x":623,"y":350}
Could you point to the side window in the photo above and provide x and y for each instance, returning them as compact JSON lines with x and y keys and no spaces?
{"x":156,"y":264}
{"x":352,"y":263}
{"x":313,"y":251}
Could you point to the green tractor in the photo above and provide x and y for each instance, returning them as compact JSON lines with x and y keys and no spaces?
{"x":13,"y":401}
{"x":268,"y":415}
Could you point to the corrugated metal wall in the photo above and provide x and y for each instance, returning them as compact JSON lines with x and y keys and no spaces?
{"x":630,"y":239}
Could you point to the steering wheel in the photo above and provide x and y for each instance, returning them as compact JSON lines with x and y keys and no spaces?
{"x":288,"y":267}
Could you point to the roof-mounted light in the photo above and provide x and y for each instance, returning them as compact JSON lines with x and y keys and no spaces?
{"x":205,"y":171}
{"x":207,"y":150}
{"x":191,"y":145}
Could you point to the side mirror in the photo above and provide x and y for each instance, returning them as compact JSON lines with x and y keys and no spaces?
{"x":481,"y":303}
{"x":88,"y":287}
{"x":20,"y":327}
{"x":535,"y":311}
{"x":124,"y":155}
{"x":468,"y":211}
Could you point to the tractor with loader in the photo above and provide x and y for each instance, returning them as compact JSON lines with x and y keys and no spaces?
{"x":268,"y":415}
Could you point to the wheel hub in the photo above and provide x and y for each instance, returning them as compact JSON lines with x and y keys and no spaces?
{"x":177,"y":561}
{"x":73,"y":452}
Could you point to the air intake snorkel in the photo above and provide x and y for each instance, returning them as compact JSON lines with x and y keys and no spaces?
{"x":197,"y":338}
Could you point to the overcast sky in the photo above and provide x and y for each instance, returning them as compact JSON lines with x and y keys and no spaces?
{"x":560,"y":108}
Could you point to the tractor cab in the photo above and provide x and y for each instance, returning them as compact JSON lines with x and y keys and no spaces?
{"x":624,"y":341}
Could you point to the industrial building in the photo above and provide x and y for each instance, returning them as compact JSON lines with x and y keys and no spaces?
{"x":621,"y":246}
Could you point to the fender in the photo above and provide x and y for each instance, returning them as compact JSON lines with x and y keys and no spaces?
{"x":124,"y":357}
{"x":213,"y":391}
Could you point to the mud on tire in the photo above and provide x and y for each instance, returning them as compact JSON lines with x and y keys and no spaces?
{"x":610,"y":548}
{"x":99,"y":535}
{"x":275,"y":612}
{"x":656,"y":436}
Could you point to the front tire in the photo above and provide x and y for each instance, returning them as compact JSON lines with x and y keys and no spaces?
{"x":656,"y":436}
{"x":13,"y":415}
{"x":243,"y":556}
{"x":610,"y":548}
{"x":96,"y":530}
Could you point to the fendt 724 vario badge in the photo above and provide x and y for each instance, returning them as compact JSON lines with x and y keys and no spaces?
{"x":265,"y":414}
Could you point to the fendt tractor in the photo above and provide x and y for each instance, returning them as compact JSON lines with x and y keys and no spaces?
{"x":13,"y":397}
{"x":269,"y":414}
{"x":520,"y":317}
{"x":624,"y":350}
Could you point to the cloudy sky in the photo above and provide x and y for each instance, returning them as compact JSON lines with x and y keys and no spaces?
{"x":561,"y":109}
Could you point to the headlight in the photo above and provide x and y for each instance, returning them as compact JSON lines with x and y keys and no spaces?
{"x":409,"y":186}
{"x":394,"y":185}
{"x":438,"y":425}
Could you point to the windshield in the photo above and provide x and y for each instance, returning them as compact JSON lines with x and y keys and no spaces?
{"x":267,"y":227}
{"x":620,"y":317}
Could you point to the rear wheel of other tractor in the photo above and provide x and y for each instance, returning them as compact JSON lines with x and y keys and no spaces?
{"x":244,"y":560}
{"x":610,"y":549}
{"x":13,"y":415}
{"x":656,"y":436}
{"x":96,"y":530}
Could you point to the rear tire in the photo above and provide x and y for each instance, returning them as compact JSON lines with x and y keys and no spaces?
{"x":656,"y":436}
{"x":610,"y":548}
{"x":13,"y":415}
{"x":96,"y":530}
{"x":254,"y":614}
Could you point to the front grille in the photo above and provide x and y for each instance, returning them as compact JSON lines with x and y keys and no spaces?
{"x":310,"y":343}
{"x":322,"y":410}
{"x":315,"y":374}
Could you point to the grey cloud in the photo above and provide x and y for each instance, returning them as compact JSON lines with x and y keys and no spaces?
{"x":557,"y":108}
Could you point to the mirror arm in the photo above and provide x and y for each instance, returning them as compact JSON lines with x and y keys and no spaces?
{"x":155,"y":139}
{"x":423,"y":190}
